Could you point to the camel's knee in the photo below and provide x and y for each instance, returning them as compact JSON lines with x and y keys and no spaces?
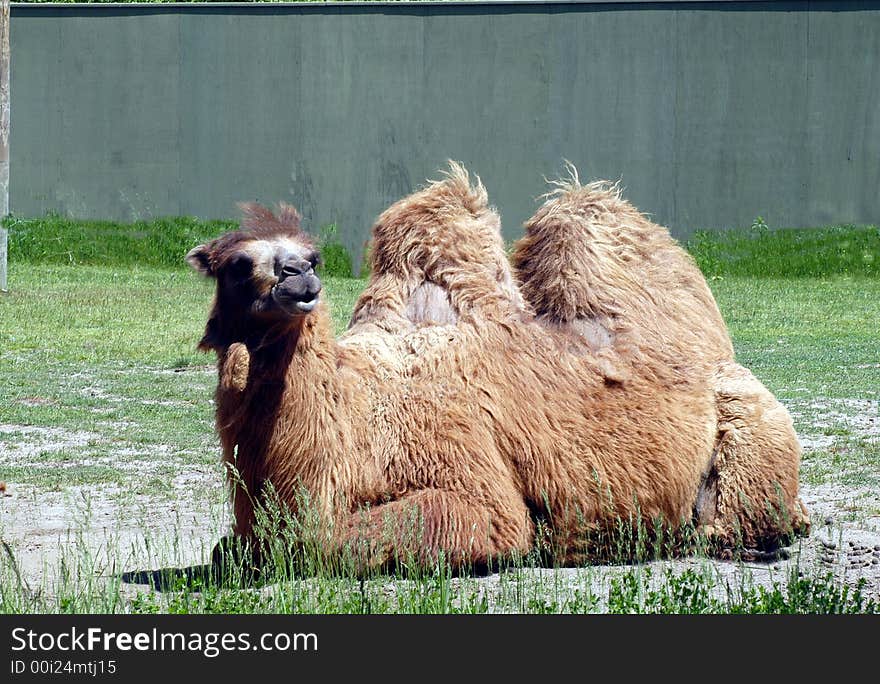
{"x":743,"y":509}
{"x":749,"y":494}
{"x":427,"y":524}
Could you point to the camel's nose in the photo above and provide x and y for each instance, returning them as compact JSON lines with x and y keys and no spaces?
{"x":295,"y":267}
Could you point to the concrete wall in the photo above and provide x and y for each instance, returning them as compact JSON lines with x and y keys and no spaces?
{"x":710,"y":113}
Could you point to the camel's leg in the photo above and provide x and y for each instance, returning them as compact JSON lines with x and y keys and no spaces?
{"x":750,"y":494}
{"x":422,"y":525}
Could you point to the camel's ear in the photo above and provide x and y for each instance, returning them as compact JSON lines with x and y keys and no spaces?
{"x":198,"y":258}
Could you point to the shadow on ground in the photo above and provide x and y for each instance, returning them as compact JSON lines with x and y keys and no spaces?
{"x":174,"y":579}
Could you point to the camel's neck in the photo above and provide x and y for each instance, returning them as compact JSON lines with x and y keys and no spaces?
{"x":306,"y":346}
{"x":282,"y":426}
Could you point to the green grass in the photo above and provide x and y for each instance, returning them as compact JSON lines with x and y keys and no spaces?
{"x":162,"y":242}
{"x":103,"y":398}
{"x":110,"y":353}
{"x":60,"y":240}
{"x":788,"y":252}
{"x":805,"y":336}
{"x":631,"y":591}
{"x":756,"y":251}
{"x":119,"y":314}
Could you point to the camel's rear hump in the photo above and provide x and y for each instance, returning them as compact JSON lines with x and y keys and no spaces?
{"x":590,"y":261}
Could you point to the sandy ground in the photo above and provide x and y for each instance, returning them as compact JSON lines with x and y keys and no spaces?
{"x":111,"y":530}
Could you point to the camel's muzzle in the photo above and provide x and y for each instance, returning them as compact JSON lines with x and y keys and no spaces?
{"x":297,"y":289}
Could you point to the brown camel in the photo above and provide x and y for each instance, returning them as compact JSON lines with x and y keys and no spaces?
{"x":475,"y":428}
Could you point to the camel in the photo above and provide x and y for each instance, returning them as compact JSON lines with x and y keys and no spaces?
{"x":449,"y":402}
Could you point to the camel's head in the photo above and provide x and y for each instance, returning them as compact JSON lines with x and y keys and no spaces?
{"x":265,"y":274}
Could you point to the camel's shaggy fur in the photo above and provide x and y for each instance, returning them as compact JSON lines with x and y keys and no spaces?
{"x":481,"y":427}
{"x":592,"y":265}
{"x":437,"y":255}
{"x":616,"y":288}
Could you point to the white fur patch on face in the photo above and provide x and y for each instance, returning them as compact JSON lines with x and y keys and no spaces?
{"x":265,"y":254}
{"x":262,"y":253}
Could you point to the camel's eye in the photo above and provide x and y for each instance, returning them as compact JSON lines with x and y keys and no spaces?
{"x":240,"y":266}
{"x":314,"y":259}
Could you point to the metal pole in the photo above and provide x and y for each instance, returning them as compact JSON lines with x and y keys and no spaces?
{"x":4,"y":135}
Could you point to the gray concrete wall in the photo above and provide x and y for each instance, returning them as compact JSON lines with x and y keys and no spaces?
{"x":710,"y":113}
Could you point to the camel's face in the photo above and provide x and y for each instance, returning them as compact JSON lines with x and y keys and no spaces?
{"x":262,"y":281}
{"x":278,"y":274}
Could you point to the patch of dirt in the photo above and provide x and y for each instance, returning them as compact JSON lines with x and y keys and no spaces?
{"x":861,"y":417}
{"x":37,"y":401}
{"x":103,"y":530}
{"x":37,"y":440}
{"x":96,"y":392}
{"x":29,"y":446}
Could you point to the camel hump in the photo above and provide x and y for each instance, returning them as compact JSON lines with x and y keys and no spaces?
{"x":582,"y":249}
{"x":589,"y":260}
{"x":455,"y":188}
{"x":446,"y":220}
{"x":437,"y":256}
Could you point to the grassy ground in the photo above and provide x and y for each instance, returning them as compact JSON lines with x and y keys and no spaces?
{"x":161,"y":242}
{"x":788,"y":252}
{"x":108,"y":452}
{"x":755,"y":251}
